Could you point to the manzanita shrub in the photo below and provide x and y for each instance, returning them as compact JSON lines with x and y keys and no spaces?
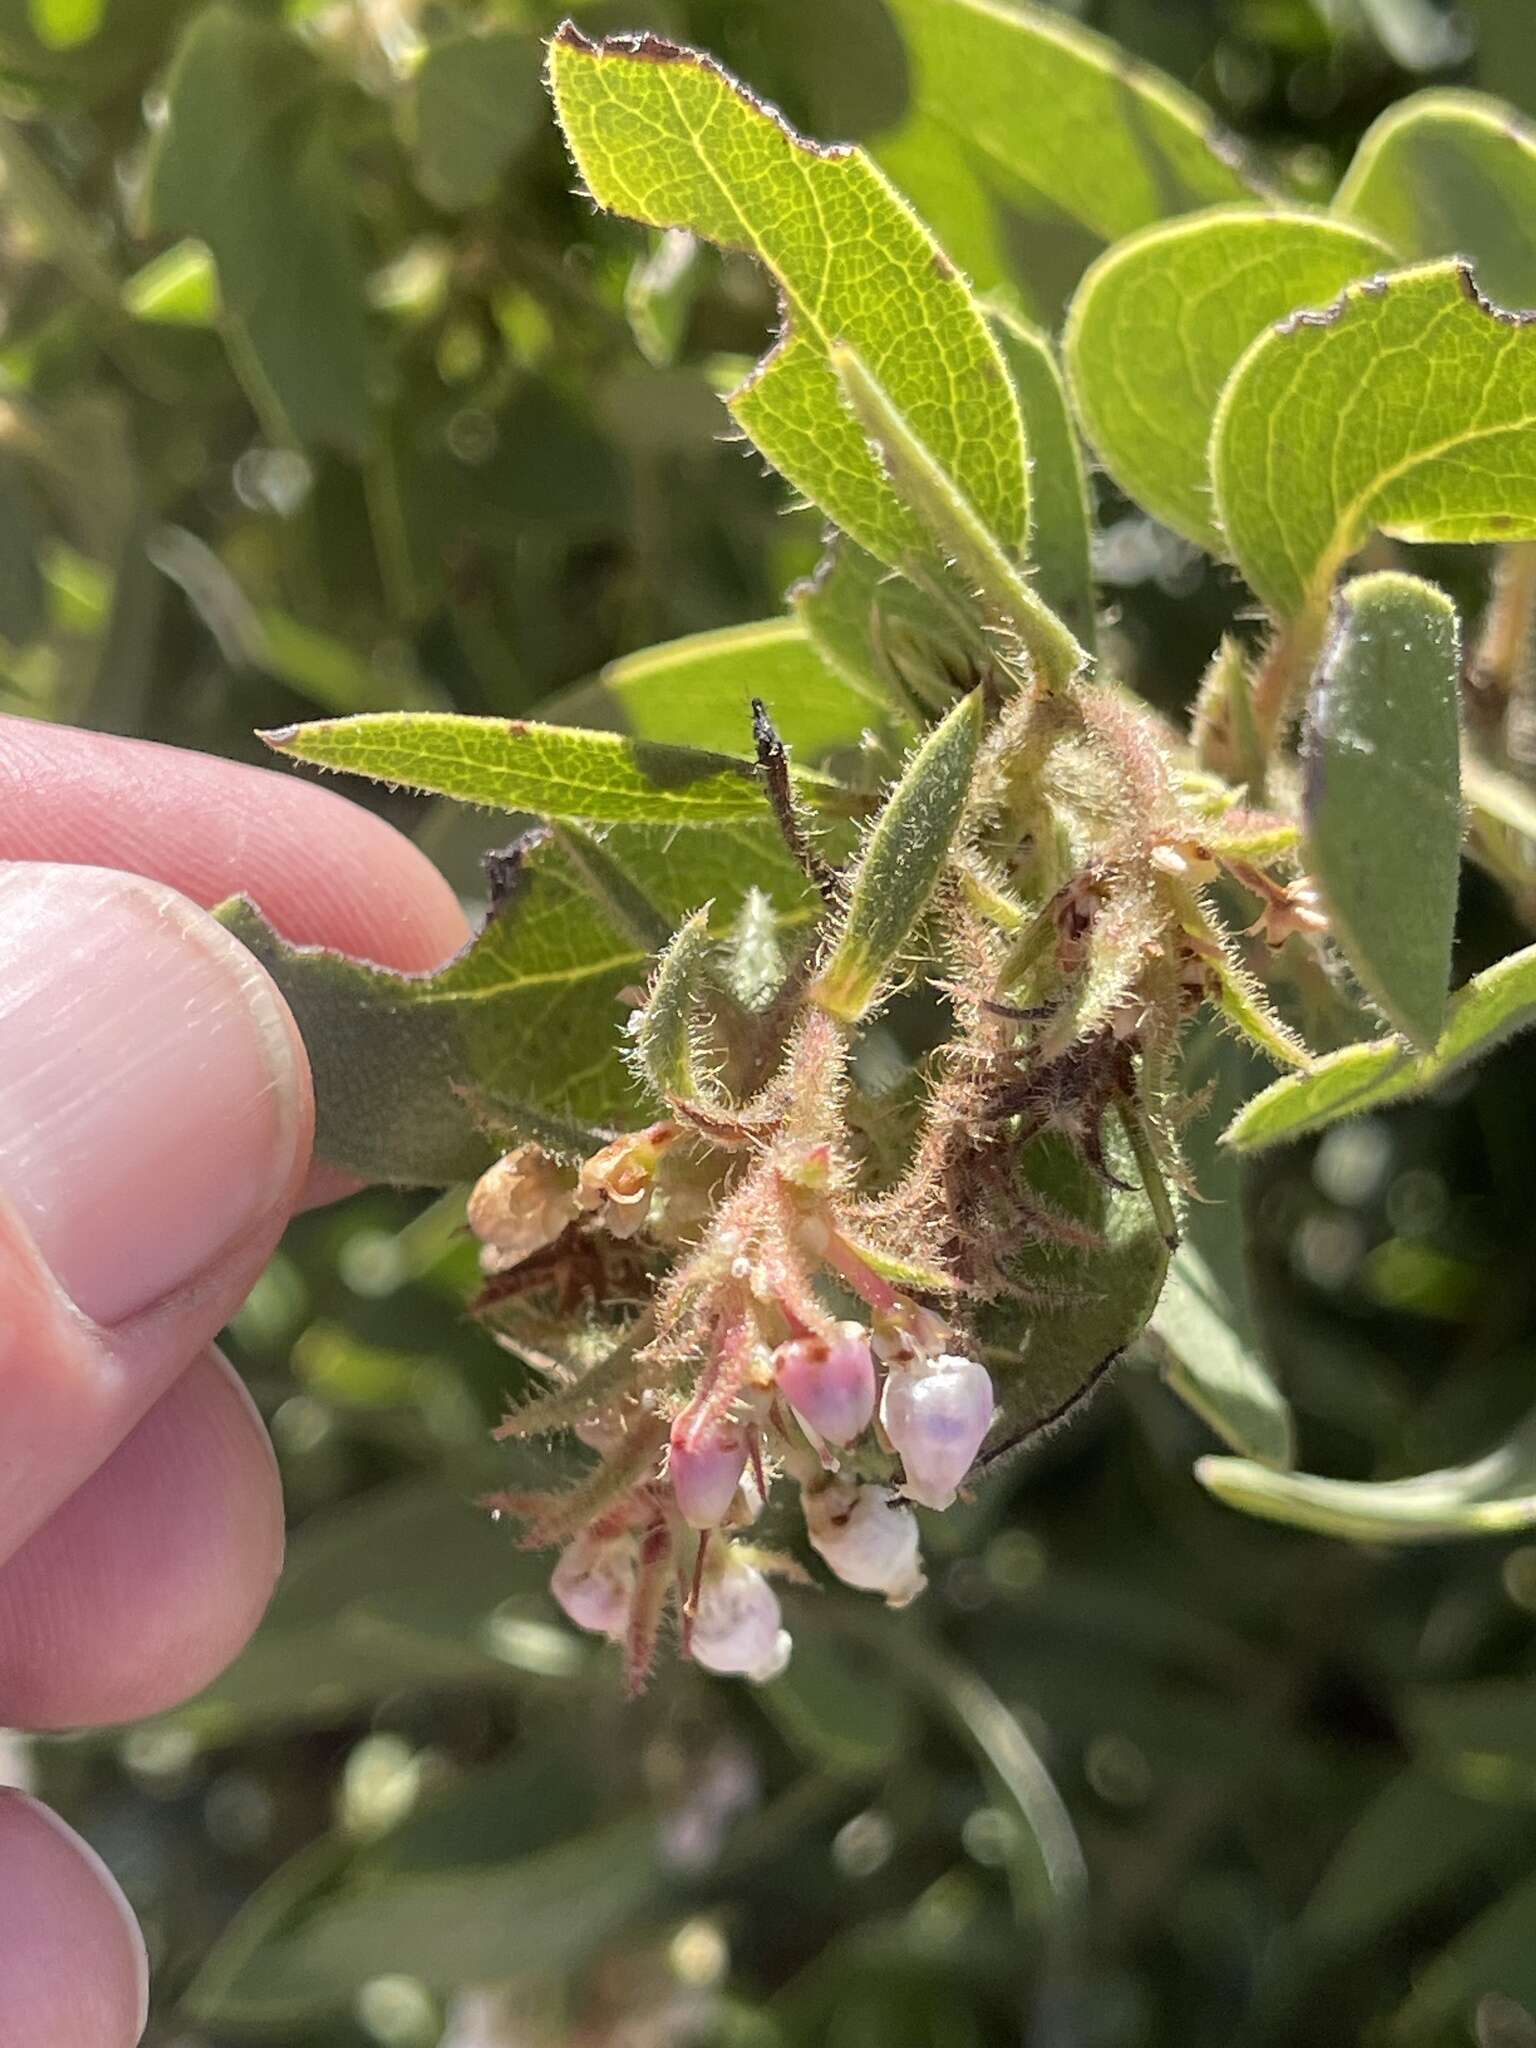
{"x":824,"y":1066}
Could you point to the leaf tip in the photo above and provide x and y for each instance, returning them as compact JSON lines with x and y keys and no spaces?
{"x":278,"y":736}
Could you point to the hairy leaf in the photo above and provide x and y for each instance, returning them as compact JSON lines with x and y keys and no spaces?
{"x":1059,"y":550}
{"x":901,"y":863}
{"x":1452,"y":174}
{"x":1409,"y":404}
{"x":529,"y":1012}
{"x":1492,"y":1496}
{"x":961,"y":538}
{"x":698,"y":692}
{"x":882,"y":634}
{"x":553,"y":771}
{"x":1042,"y":104}
{"x":1079,"y":1305}
{"x":664,"y":1040}
{"x":249,"y":162}
{"x":1492,"y":1007}
{"x":1158,"y":323}
{"x":523,"y":1029}
{"x":666,"y":137}
{"x":1209,"y":1364}
{"x":1381,"y":755}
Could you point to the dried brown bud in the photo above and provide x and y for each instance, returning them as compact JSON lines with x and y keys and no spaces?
{"x":519,"y":1205}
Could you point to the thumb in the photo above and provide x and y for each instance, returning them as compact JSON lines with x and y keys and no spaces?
{"x":155,"y":1122}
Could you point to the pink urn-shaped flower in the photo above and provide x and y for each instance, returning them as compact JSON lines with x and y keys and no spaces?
{"x":936,"y":1412}
{"x":705,"y":1461}
{"x":829,"y":1381}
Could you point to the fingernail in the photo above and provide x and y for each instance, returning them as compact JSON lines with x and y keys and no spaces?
{"x":153,"y":1091}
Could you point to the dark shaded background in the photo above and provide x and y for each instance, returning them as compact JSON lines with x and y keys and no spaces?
{"x":1303,"y":1775}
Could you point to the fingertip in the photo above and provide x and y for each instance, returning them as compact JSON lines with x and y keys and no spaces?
{"x":73,"y":1968}
{"x":152,"y":1576}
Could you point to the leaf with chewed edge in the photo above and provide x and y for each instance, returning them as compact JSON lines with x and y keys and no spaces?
{"x":664,"y":136}
{"x":524,"y":1028}
{"x":1408,"y":405}
{"x":1158,"y":322}
{"x":1447,"y":173}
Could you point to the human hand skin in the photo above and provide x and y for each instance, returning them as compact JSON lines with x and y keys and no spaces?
{"x":156,"y":1121}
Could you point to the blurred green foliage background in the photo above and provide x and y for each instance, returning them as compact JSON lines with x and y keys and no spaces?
{"x":453,"y":439}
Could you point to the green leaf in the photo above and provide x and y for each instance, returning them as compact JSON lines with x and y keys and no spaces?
{"x":249,"y":161}
{"x":664,"y":1036}
{"x":528,"y":1012}
{"x":901,"y":863}
{"x":553,"y":771}
{"x":535,"y":1916}
{"x":1381,"y":755}
{"x":698,"y":691}
{"x":1492,"y":1007}
{"x":869,"y":626}
{"x":1060,"y":527}
{"x":1494,"y":1956}
{"x":659,"y":294}
{"x":1447,"y":173}
{"x":1413,"y":1843}
{"x":1158,"y":323}
{"x":1041,"y":104}
{"x":1490,"y":1497}
{"x":1209,"y":1364}
{"x":1408,"y":404}
{"x":475,"y":101}
{"x":526,"y":1025}
{"x":960,"y":536}
{"x":179,"y":288}
{"x":1080,"y":1304}
{"x":666,"y":137}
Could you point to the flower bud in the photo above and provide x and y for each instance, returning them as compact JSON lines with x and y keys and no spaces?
{"x":867,"y":1538}
{"x":594,"y":1583}
{"x":705,"y":1462}
{"x":518,"y":1206}
{"x":936,"y":1413}
{"x":737,"y":1627}
{"x":829,"y":1382}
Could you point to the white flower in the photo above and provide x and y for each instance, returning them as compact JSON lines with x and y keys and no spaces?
{"x":867,"y":1538}
{"x":936,"y":1412}
{"x":594,"y":1582}
{"x":737,"y":1629}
